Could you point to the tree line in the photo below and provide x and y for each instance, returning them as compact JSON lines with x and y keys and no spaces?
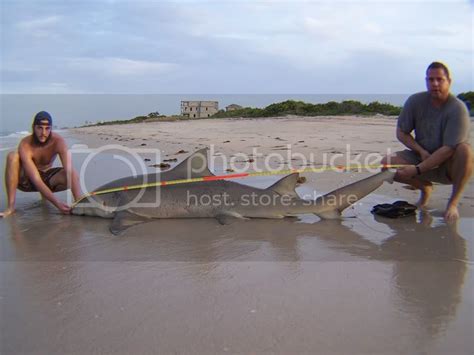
{"x":300,"y":108}
{"x":331,"y":108}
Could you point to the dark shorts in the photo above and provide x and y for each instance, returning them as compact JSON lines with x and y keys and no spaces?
{"x":26,"y":185}
{"x":439,"y":175}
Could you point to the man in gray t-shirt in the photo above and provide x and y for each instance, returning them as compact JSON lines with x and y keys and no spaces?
{"x":440,"y":151}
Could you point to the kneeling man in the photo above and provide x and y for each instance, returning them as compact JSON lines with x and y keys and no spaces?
{"x":440,"y":151}
{"x":30,"y":167}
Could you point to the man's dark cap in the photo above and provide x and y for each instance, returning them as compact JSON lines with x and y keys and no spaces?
{"x":42,"y":116}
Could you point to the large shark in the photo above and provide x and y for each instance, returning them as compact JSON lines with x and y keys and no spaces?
{"x":221,"y":199}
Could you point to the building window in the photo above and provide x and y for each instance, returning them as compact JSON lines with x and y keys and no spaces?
{"x":206,"y":108}
{"x":194,"y":115}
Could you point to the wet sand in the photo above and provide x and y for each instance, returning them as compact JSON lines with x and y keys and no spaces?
{"x":361,"y":285}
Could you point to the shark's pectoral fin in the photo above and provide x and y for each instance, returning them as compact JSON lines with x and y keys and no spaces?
{"x":124,"y":220}
{"x":330,"y":214}
{"x":226,"y":218}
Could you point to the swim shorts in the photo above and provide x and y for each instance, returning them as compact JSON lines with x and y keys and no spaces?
{"x":26,"y":185}
{"x":439,"y":174}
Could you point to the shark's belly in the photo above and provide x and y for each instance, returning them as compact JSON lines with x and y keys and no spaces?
{"x":93,"y":212}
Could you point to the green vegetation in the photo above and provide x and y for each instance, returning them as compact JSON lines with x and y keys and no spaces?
{"x":468,"y":98}
{"x":300,"y":108}
{"x":151,"y":117}
{"x":291,"y":107}
{"x":137,"y":119}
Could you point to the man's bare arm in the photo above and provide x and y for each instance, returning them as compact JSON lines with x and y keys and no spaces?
{"x":429,"y":161}
{"x":438,"y":157}
{"x":407,"y":140}
{"x":66,"y":161}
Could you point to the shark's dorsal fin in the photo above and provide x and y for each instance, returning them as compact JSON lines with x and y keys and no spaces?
{"x":286,"y":186}
{"x":193,"y":166}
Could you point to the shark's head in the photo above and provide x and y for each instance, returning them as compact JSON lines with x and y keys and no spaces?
{"x":99,"y":205}
{"x":104,"y":204}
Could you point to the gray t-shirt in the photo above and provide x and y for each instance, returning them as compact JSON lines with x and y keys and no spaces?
{"x":434,"y":127}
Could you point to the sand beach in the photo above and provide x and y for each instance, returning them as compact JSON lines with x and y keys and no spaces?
{"x":359,"y":285}
{"x":319,"y":140}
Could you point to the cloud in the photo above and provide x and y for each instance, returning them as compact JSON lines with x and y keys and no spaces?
{"x":18,"y":87}
{"x":39,"y":27}
{"x":322,"y":29}
{"x":120,"y":66}
{"x":228,"y":45}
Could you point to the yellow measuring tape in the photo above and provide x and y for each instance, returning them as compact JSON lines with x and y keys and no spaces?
{"x":234,"y":176}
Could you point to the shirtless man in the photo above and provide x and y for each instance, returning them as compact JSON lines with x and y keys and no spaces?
{"x":29,"y":168}
{"x":440,"y":151}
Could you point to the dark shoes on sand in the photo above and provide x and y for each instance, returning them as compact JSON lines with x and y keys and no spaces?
{"x":394,"y":210}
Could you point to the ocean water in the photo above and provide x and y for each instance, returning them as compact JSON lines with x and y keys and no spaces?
{"x":9,"y":140}
{"x":17,"y":111}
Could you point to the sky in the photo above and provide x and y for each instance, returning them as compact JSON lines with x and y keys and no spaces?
{"x":232,"y":47}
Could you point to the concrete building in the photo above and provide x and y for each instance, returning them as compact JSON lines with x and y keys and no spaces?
{"x":199,"y":109}
{"x":233,"y":107}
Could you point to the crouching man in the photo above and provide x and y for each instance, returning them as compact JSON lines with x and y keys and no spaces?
{"x":440,"y":151}
{"x":30,"y":167}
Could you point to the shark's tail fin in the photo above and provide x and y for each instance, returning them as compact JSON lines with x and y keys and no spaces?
{"x":338,"y":200}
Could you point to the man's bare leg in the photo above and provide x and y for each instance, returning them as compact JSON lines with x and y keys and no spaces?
{"x":12,"y":176}
{"x":460,"y":170}
{"x":74,"y":184}
{"x":425,"y":195}
{"x":425,"y":187}
{"x":60,"y":182}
